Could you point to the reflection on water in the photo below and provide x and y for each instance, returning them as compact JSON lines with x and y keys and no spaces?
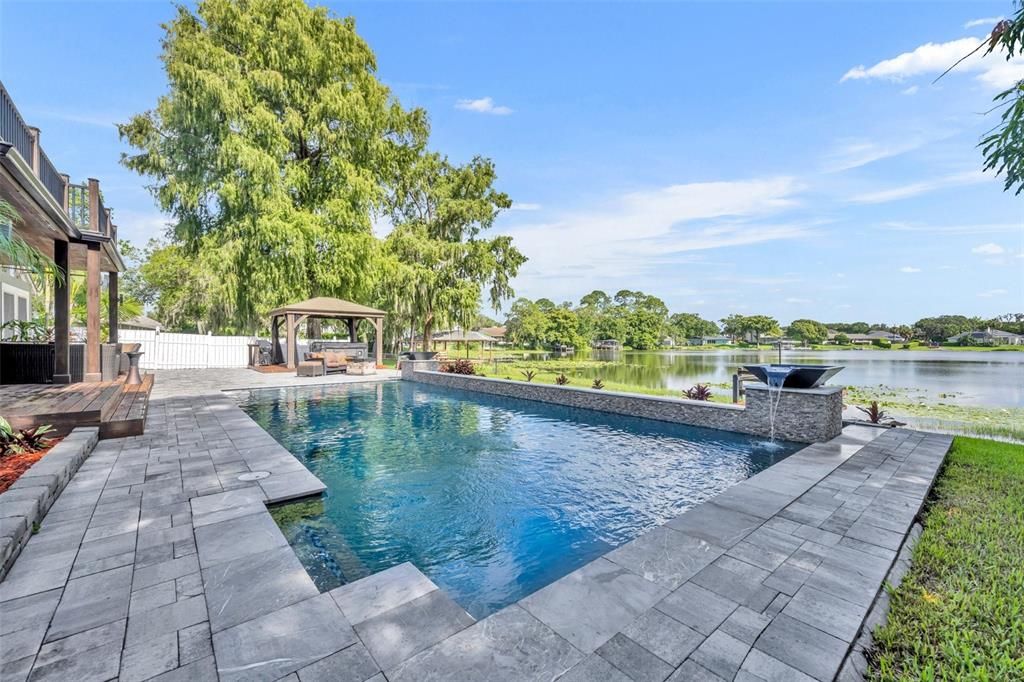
{"x":983,"y":378}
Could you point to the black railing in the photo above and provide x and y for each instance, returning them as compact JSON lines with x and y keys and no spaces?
{"x":51,"y":179}
{"x":13,"y":129}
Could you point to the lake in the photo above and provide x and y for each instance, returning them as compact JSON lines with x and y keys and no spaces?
{"x":991,"y":378}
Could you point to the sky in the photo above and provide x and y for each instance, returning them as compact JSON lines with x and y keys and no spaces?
{"x":790,"y":159}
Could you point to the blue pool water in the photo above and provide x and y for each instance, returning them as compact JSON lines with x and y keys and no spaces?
{"x":492,"y":498}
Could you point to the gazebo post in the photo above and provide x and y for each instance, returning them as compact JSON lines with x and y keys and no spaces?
{"x":352,"y":330}
{"x":292,"y":350}
{"x":378,"y":340}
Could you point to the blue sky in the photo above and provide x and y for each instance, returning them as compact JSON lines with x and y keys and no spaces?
{"x":792,"y":159}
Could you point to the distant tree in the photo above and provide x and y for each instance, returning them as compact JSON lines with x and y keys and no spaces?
{"x":690,"y":325}
{"x":906,"y":331}
{"x":644,"y":329}
{"x":734,"y":326}
{"x":563,"y":328}
{"x":842,"y":339}
{"x":808,"y":331}
{"x":484,"y":321}
{"x":596,"y":299}
{"x":761,"y":325}
{"x":944,"y":326}
{"x":849,"y":327}
{"x":527,"y":324}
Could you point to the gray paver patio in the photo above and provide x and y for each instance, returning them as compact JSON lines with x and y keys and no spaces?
{"x":156,"y":562}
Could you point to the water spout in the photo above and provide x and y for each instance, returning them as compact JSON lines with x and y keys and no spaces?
{"x":776,"y":379}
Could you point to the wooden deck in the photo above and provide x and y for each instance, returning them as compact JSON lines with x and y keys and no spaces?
{"x":118,"y":410}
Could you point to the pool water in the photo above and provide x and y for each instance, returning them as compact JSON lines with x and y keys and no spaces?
{"x":492,"y":498}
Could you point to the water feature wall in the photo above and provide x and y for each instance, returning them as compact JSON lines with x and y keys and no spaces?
{"x":803,"y":415}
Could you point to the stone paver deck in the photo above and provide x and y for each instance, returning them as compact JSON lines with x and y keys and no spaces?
{"x":157,"y":562}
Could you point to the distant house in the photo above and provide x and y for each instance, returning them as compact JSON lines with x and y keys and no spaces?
{"x":990,"y":337}
{"x":496,"y":333}
{"x":869,"y":338}
{"x":606,"y":344}
{"x":668,"y":342}
{"x":141,"y":322}
{"x":710,"y":341}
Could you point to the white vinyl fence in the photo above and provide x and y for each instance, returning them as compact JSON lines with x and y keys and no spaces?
{"x":163,"y":350}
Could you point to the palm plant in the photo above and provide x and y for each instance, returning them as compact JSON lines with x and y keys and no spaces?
{"x":699,"y":392}
{"x":874,"y":412}
{"x":529,"y":374}
{"x":561,"y":379}
{"x":17,"y":252}
{"x":598,"y":384}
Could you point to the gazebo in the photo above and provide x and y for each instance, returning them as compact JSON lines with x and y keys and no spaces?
{"x":467,"y":337}
{"x":323,"y":307}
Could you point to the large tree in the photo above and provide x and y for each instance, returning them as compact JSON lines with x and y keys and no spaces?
{"x":808,"y":331}
{"x":438,"y":260}
{"x":273,"y":145}
{"x":1003,"y":146}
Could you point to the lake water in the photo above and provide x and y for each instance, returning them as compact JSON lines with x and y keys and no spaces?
{"x":993,"y":378}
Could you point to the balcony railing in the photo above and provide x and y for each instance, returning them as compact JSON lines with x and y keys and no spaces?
{"x":13,"y":128}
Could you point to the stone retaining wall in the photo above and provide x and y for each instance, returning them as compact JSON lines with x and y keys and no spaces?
{"x":804,"y":416}
{"x":25,"y":503}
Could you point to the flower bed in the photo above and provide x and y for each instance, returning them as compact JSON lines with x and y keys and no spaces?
{"x":13,"y":466}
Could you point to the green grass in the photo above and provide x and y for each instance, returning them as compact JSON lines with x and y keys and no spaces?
{"x":959,"y":612}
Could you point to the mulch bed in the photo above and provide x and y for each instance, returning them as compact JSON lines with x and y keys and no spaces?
{"x":13,"y":466}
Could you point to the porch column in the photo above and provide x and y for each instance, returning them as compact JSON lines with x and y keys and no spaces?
{"x":112,"y":304}
{"x":61,"y":313}
{"x":378,"y":340}
{"x":290,"y":330}
{"x":92,"y":307}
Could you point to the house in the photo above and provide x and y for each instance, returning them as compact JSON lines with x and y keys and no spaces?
{"x":719,"y":340}
{"x":15,"y":296}
{"x":496,"y":333}
{"x":668,"y":342}
{"x":141,"y":322}
{"x":989,"y":337}
{"x":606,"y":344}
{"x":66,"y":222}
{"x":869,"y":338}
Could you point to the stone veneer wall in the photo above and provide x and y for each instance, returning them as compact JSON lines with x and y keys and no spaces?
{"x":804,"y":416}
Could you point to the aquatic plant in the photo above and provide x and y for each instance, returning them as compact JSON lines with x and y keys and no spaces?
{"x":699,"y":392}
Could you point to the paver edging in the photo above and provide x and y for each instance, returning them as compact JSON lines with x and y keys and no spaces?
{"x":25,"y":503}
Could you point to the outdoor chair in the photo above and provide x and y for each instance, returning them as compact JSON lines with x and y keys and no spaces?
{"x":332,"y":361}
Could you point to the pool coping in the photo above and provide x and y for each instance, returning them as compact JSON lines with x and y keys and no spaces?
{"x":396,"y":620}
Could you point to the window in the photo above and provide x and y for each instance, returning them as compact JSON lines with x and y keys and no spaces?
{"x":8,"y":311}
{"x":23,"y":308}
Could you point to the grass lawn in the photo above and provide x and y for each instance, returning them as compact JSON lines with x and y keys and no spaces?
{"x":959,"y":612}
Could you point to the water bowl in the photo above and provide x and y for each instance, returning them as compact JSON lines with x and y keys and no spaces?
{"x":799,"y":376}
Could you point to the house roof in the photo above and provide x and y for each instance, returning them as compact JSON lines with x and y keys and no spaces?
{"x":496,"y":332}
{"x":460,"y":335}
{"x":327,"y":307}
{"x":140,"y":322}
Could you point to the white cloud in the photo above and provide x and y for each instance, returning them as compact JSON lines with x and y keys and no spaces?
{"x":798,"y":301}
{"x":915,"y":188}
{"x":854,"y":153}
{"x":521,"y":206}
{"x":909,"y":269}
{"x":992,"y":292}
{"x":988,"y":249}
{"x":106,"y":120}
{"x":912,"y":90}
{"x":992,"y":70}
{"x":632,"y":235}
{"x":965,"y":228}
{"x":139,"y":227}
{"x":484,"y":105}
{"x":984,"y":21}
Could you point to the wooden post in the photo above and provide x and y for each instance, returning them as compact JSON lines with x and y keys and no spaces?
{"x":352,"y":329}
{"x":292,"y":350}
{"x":92,"y":305}
{"x":61,"y":314}
{"x":275,"y":341}
{"x":94,"y":205}
{"x":35,"y":160}
{"x":67,"y":191}
{"x":112,"y":304}
{"x":378,"y":340}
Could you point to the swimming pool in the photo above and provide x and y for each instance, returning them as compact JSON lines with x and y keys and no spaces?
{"x":492,"y":498}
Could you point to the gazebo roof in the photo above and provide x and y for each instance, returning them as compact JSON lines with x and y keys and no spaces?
{"x":459,"y":335}
{"x":327,"y":307}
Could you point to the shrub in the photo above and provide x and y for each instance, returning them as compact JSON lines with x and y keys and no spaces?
{"x":561,"y":379}
{"x":598,"y":384}
{"x":459,"y":367}
{"x":874,"y":412}
{"x":24,"y":440}
{"x":882,"y":343}
{"x":699,"y":392}
{"x":842,"y":340}
{"x":529,"y":374}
